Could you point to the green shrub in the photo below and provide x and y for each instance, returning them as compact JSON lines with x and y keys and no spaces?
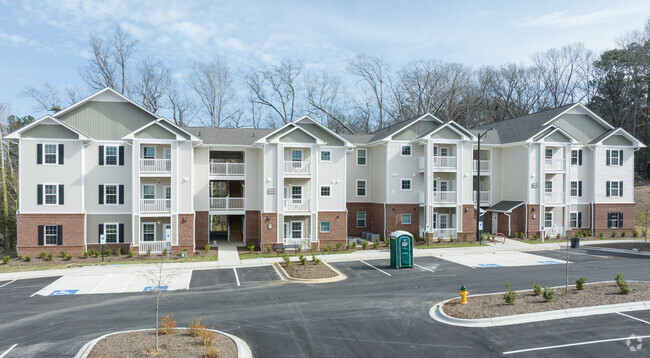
{"x":251,"y":248}
{"x":558,"y":236}
{"x":68,"y":257}
{"x":364,"y":245}
{"x":623,"y":286}
{"x":108,"y":252}
{"x":119,"y":251}
{"x":85,"y":255}
{"x":600,"y":235}
{"x":439,"y":239}
{"x":303,"y":260}
{"x":328,"y":247}
{"x":451,"y":238}
{"x":315,"y":259}
{"x":537,"y":289}
{"x":207,"y":247}
{"x":287,"y":260}
{"x":635,"y":233}
{"x":148,"y":251}
{"x":338,"y":246}
{"x":42,"y":255}
{"x":28,"y":258}
{"x":510,"y":295}
{"x":375,"y":244}
{"x":5,"y":259}
{"x":353,"y":245}
{"x":131,"y":253}
{"x":165,"y":252}
{"x":464,"y":237}
{"x":623,"y":233}
{"x":613,"y":234}
{"x":549,"y":293}
{"x":547,"y":237}
{"x":589,"y":233}
{"x":49,"y":257}
{"x":580,"y":283}
{"x":269,"y":248}
{"x":62,"y":252}
{"x":535,"y":236}
{"x":19,"y":257}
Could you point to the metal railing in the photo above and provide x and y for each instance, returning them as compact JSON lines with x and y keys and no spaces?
{"x":485,"y":196}
{"x":554,"y":164}
{"x":444,"y":162}
{"x":444,"y":196}
{"x":297,"y":167}
{"x":155,"y":247}
{"x":155,"y":205}
{"x":227,"y":203}
{"x":296,"y":204}
{"x":444,"y":233}
{"x":156,"y":165}
{"x":227,"y":169}
{"x":553,"y":230}
{"x":485,"y":165}
{"x":304,"y":242}
{"x":554,"y":197}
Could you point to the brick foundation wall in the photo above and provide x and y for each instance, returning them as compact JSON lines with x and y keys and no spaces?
{"x":394,"y":216}
{"x":73,"y":233}
{"x":468,"y":222}
{"x":376,"y":219}
{"x":600,"y":219}
{"x":353,"y":230}
{"x":533,"y":224}
{"x":252,"y":220}
{"x":185,"y":233}
{"x":338,"y":220}
{"x":269,"y":236}
{"x":202,"y":229}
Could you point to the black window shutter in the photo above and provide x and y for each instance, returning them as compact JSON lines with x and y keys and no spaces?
{"x":580,"y":188}
{"x":620,"y":188}
{"x":620,"y":220}
{"x":121,"y":233}
{"x":607,"y":189}
{"x":41,"y":234}
{"x":61,"y":194}
{"x":60,"y":153}
{"x":100,"y":232}
{"x":121,"y":155}
{"x":579,"y":219}
{"x":39,"y":194}
{"x":609,"y":219}
{"x":59,"y":234}
{"x":101,"y":155}
{"x":620,"y":157}
{"x":608,"y":153}
{"x":101,"y":194}
{"x":39,"y":154}
{"x":580,"y":157}
{"x":121,"y":194}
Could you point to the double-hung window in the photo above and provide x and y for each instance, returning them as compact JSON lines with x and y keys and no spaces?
{"x":111,"y":232}
{"x":406,"y":219}
{"x":576,"y":188}
{"x":324,"y":226}
{"x":110,"y":155}
{"x":406,"y":150}
{"x":51,"y":194}
{"x":361,"y":187}
{"x":548,"y":219}
{"x":149,"y":152}
{"x":576,"y":157}
{"x":296,"y":229}
{"x":548,"y":186}
{"x":614,"y":158}
{"x":110,"y":194}
{"x":614,"y":188}
{"x":50,"y":153}
{"x":549,"y":153}
{"x":614,"y":220}
{"x":361,"y":156}
{"x":148,"y":232}
{"x":148,"y":191}
{"x":51,"y":235}
{"x":573,"y":219}
{"x":361,"y":219}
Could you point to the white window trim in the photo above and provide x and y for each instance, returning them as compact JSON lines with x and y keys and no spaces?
{"x":291,"y":230}
{"x":545,"y":188}
{"x":302,"y":156}
{"x":577,"y":164}
{"x":401,"y":151}
{"x":329,"y":224}
{"x":56,"y":203}
{"x":356,"y":188}
{"x":56,"y":235}
{"x":545,"y":153}
{"x":618,"y":189}
{"x":142,"y":194}
{"x":401,"y":219}
{"x":571,"y":213}
{"x":143,"y":151}
{"x":410,"y":184}
{"x":365,"y":157}
{"x":551,"y":213}
{"x":117,"y":194}
{"x":321,"y":156}
{"x":56,"y":154}
{"x":117,"y":155}
{"x":117,"y":232}
{"x":571,"y":189}
{"x":142,"y":230}
{"x":301,"y":192}
{"x":611,"y":158}
{"x":165,"y":192}
{"x":320,"y":191}
{"x":365,"y":219}
{"x":616,"y":221}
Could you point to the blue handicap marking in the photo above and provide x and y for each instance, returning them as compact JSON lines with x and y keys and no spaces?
{"x":154,"y":288}
{"x":489,"y":265}
{"x":549,"y":262}
{"x":63,"y":292}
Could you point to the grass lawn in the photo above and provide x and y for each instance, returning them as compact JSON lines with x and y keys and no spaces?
{"x":448,"y":245}
{"x":292,"y":254}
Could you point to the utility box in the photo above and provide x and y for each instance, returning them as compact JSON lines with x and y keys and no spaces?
{"x":401,"y":249}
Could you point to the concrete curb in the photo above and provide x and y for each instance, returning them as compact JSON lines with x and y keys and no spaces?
{"x":339,"y":277}
{"x":243,"y":350}
{"x":617,"y":251}
{"x":439,"y":315}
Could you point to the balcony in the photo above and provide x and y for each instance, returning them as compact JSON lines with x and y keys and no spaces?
{"x":296,"y":204}
{"x":227,"y":169}
{"x":441,"y":162}
{"x":485,"y":196}
{"x":554,"y":164}
{"x":444,"y":196}
{"x":554,"y":197}
{"x":155,"y":166}
{"x":227,"y":203}
{"x":155,"y":205}
{"x":485,"y":165}
{"x":444,"y":233}
{"x":154,"y":247}
{"x":297,"y":167}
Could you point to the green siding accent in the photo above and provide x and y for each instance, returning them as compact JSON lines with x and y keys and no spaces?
{"x":557,"y":137}
{"x":279,"y":133}
{"x":617,"y":140}
{"x":322,"y":134}
{"x":415,"y":130}
{"x":445,"y":133}
{"x":580,"y":126}
{"x":50,"y":131}
{"x":155,"y":132}
{"x":174,"y":130}
{"x":297,"y":136}
{"x":106,"y":120}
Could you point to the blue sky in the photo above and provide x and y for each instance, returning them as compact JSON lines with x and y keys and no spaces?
{"x":47,"y":40}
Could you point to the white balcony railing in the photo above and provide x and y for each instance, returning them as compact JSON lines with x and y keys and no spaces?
{"x":154,"y":247}
{"x":554,"y":197}
{"x":156,"y":165}
{"x":297,"y":167}
{"x":444,"y":162}
{"x":296,"y":204}
{"x":444,"y":196}
{"x":485,"y":196}
{"x":227,"y":169}
{"x":554,"y":164}
{"x":444,"y":233}
{"x":553,"y":231}
{"x":304,"y":242}
{"x":155,"y":205}
{"x":227,"y":203}
{"x":485,"y":165}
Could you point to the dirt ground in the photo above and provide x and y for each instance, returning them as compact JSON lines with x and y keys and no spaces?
{"x":308,"y":271}
{"x":641,"y":246}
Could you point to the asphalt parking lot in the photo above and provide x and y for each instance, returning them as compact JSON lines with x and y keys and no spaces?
{"x":377,"y":312}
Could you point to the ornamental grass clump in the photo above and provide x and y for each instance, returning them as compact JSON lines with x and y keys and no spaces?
{"x":537,"y":289}
{"x":510,"y":295}
{"x":167,"y":325}
{"x":549,"y":293}
{"x":580,"y":283}
{"x":195,"y":328}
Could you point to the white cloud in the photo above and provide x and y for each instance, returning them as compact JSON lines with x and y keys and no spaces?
{"x":566,"y":18}
{"x":17,"y":39}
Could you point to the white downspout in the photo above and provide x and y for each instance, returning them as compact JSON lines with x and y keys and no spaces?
{"x":508,"y":215}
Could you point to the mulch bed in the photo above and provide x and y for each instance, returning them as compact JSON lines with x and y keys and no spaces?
{"x":641,"y":246}
{"x":597,"y":294}
{"x":308,"y":271}
{"x":79,"y":260}
{"x":142,"y":344}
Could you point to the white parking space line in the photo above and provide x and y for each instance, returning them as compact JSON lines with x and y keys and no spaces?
{"x":189,"y":280}
{"x":380,"y":270}
{"x":628,"y":316}
{"x":127,"y":284}
{"x":573,"y":344}
{"x":7,"y":283}
{"x":100,"y":284}
{"x":236,"y":276}
{"x":8,"y":350}
{"x":424,"y":268}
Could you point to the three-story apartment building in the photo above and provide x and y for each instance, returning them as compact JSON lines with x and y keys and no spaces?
{"x":106,"y":166}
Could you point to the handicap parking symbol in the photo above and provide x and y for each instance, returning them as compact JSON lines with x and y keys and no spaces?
{"x":63,"y":292}
{"x":155,"y":288}
{"x":549,"y":262}
{"x":489,"y":265}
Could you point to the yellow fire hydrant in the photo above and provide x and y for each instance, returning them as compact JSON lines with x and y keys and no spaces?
{"x":463,"y":295}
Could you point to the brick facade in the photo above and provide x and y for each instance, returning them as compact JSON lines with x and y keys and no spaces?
{"x":185,"y":233}
{"x":394,"y":216}
{"x":533,"y":223}
{"x":112,"y":247}
{"x":338,"y":232}
{"x":73,"y":233}
{"x":269,"y":235}
{"x":600,"y":218}
{"x":252,"y":220}
{"x":202,"y":229}
{"x":469,"y":223}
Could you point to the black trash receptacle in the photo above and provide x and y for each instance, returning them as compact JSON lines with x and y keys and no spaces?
{"x":575,"y":242}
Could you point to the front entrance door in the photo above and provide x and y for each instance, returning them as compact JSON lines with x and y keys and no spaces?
{"x":495,"y":223}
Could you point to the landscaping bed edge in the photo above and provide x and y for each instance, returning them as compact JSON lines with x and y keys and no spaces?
{"x":339,"y":275}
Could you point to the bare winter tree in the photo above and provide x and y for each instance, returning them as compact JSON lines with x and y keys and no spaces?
{"x":123,"y":48}
{"x":324,"y":94}
{"x":99,"y":72}
{"x":276,"y":88}
{"x":182,"y":108}
{"x":49,"y":98}
{"x":212,"y":82}
{"x":154,"y":81}
{"x":159,"y":280}
{"x":373,"y":72}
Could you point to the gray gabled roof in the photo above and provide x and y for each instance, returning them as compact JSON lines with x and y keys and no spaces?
{"x":505,"y":206}
{"x":520,"y":128}
{"x":232,"y":136}
{"x":358,"y":138}
{"x":603,"y":136}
